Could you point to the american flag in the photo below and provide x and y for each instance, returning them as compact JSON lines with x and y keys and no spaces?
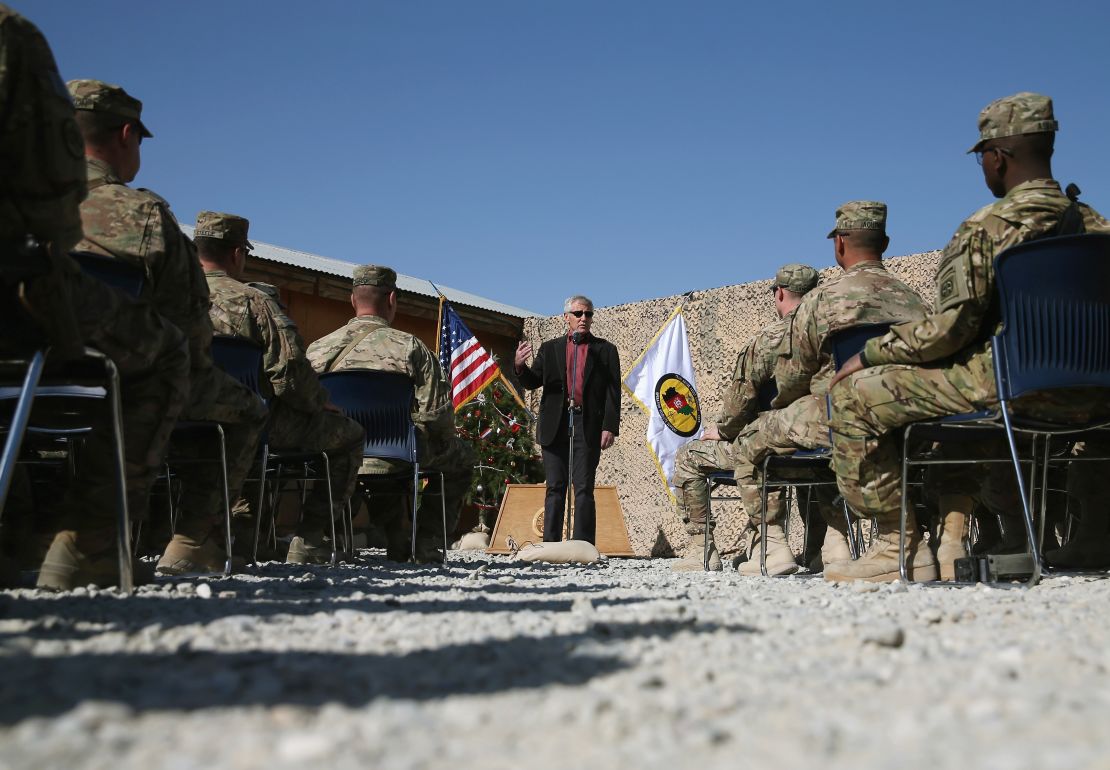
{"x":468,"y":365}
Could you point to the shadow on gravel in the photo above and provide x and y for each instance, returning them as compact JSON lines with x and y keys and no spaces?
{"x":278,"y":589}
{"x":193,"y":679}
{"x":59,"y":616}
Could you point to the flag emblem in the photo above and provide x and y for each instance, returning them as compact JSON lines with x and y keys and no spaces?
{"x":677,"y":402}
{"x":661,"y":382}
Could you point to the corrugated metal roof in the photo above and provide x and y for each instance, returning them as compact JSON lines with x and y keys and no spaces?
{"x":344,"y":269}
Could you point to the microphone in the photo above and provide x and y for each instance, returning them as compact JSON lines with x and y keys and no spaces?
{"x":577,"y":338}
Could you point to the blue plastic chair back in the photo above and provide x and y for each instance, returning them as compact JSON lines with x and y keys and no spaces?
{"x":1054,"y":298}
{"x":847,"y":342}
{"x":240,"y":358}
{"x":114,"y":272}
{"x":381,"y":402}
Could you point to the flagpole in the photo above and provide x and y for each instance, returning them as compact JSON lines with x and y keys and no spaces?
{"x":439,"y":319}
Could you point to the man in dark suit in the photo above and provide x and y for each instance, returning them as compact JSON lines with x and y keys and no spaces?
{"x":586,"y":386}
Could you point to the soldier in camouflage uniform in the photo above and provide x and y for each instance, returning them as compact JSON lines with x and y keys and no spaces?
{"x":301,"y":416}
{"x":368,"y":342}
{"x":136,"y":226}
{"x":49,"y":301}
{"x":942,"y":364}
{"x":864,"y":293}
{"x":752,"y":374}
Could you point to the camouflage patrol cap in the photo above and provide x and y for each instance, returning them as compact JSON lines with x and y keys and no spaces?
{"x":797,"y":278}
{"x":228,"y":227}
{"x":98,"y":96}
{"x":375,"y":275}
{"x":860,"y":215}
{"x":1024,"y":113}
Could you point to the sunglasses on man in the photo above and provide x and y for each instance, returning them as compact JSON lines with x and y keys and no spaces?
{"x":580,"y":313}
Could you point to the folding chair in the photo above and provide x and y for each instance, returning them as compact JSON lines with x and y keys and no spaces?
{"x":242,"y":359}
{"x":381,"y":402}
{"x":717,"y":479}
{"x":725,"y":478}
{"x":61,"y":402}
{"x":1054,"y":301}
{"x":65,"y":398}
{"x":190,"y":428}
{"x":815,"y":462}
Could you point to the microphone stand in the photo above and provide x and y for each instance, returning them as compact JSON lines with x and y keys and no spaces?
{"x":575,"y":338}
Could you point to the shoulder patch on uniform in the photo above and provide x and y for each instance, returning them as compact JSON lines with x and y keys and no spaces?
{"x":953,"y":280}
{"x":266,"y":288}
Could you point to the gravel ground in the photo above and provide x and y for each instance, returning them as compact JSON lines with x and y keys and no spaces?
{"x":489,"y":664}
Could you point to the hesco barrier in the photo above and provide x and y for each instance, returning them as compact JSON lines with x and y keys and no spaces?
{"x":719,"y":321}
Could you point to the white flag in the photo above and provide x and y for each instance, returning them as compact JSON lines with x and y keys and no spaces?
{"x":662,"y":383}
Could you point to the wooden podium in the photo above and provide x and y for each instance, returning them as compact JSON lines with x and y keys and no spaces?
{"x":521,"y":516}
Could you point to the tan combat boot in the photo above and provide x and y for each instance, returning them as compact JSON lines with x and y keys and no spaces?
{"x":694,"y":560}
{"x":880,"y":563}
{"x":74,"y":561}
{"x":311,"y":548}
{"x":956,"y":510}
{"x":835,"y":548}
{"x":780,"y":559}
{"x":190,"y":555}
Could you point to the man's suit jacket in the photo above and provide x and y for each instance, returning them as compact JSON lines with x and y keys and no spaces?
{"x":601,"y":389}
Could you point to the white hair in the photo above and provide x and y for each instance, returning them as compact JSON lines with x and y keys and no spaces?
{"x":589,"y":303}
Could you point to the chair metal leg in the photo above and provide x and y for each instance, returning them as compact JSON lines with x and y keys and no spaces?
{"x":331,"y":509}
{"x":903,"y":572}
{"x":708,"y":529}
{"x":348,"y":530}
{"x":788,"y":500}
{"x":852,"y":529}
{"x":261,"y":507}
{"x":803,"y":514}
{"x":19,"y":423}
{"x":1043,"y":498}
{"x":415,"y":492}
{"x":170,"y":502}
{"x":1034,"y":546}
{"x":275,"y":499}
{"x":763,"y":521}
{"x":227,"y":498}
{"x":123,"y":525}
{"x":443,"y":505}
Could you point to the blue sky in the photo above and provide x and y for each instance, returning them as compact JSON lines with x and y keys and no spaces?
{"x":526,"y":150}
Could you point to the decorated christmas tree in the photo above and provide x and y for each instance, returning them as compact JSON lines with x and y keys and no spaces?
{"x":500,"y":430}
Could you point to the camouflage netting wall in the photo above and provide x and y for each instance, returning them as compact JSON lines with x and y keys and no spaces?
{"x":719,"y":322}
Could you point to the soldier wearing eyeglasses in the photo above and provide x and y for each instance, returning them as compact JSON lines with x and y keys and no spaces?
{"x":580,"y":377}
{"x":942,"y":364}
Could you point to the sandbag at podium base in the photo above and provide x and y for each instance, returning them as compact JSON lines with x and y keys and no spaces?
{"x":521,"y":516}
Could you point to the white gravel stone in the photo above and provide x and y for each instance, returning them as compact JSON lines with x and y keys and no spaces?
{"x":382,"y":665}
